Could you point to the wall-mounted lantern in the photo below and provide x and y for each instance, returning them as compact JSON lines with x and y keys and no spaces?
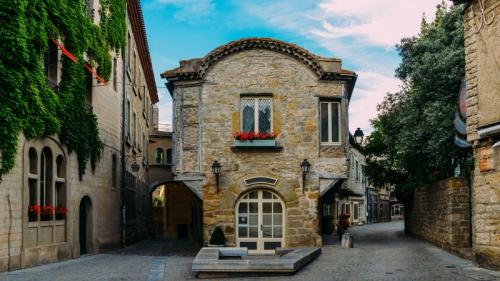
{"x":216,"y":167}
{"x":358,"y":136}
{"x":305,"y":166}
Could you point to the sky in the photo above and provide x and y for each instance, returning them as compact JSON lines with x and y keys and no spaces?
{"x":363,"y":33}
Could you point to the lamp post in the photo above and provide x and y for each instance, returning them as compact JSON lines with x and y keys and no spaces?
{"x":216,"y":167}
{"x":305,"y":166}
{"x":358,"y":136}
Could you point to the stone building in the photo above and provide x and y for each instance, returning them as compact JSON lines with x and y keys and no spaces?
{"x":259,"y":85}
{"x":482,"y":58}
{"x":45,"y":173}
{"x":354,"y":202}
{"x":141,"y":94}
{"x":176,"y":211}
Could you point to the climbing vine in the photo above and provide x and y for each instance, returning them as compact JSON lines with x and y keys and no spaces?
{"x":27,"y":103}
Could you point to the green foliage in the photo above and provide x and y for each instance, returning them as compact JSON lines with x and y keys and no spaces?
{"x":413,"y":143}
{"x":218,"y":237}
{"x":27,"y":104}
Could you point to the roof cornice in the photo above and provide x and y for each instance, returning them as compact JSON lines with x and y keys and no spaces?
{"x":197,"y":68}
{"x":137,"y":22}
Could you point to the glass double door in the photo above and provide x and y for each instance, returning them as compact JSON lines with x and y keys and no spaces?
{"x":260,"y":216}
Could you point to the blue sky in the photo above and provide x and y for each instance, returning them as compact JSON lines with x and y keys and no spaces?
{"x":362,"y":33}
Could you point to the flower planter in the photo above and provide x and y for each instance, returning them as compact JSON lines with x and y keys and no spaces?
{"x":60,"y":216}
{"x":46,"y":217}
{"x":32,"y":217}
{"x":256,"y":143}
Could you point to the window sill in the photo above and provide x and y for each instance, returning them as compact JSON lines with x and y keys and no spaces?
{"x":330,"y":144}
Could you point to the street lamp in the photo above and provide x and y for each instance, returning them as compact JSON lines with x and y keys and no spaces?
{"x":305,"y":166}
{"x":216,"y":170}
{"x":358,"y":136}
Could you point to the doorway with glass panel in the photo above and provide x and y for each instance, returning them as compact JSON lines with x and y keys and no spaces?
{"x":260,"y":222}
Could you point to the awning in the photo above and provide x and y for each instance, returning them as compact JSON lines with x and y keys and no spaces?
{"x":328,"y":180}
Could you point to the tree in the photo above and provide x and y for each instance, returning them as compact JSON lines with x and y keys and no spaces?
{"x":412,"y":143}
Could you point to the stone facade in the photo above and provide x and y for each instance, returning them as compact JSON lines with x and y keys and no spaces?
{"x":482,"y":41}
{"x":440,"y":213}
{"x":207,"y":94}
{"x":95,"y":200}
{"x":160,"y":155}
{"x":356,"y":183}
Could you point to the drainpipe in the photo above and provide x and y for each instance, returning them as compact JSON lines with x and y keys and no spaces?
{"x":124,"y":136}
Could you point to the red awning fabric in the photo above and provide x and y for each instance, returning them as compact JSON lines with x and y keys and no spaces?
{"x":73,"y":58}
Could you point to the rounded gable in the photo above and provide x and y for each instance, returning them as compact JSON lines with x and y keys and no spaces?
{"x":291,"y":50}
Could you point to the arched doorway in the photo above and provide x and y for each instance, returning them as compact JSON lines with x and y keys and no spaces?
{"x":85,"y":223}
{"x":260,"y":221}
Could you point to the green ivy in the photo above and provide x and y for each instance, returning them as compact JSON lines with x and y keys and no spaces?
{"x":27,"y":104}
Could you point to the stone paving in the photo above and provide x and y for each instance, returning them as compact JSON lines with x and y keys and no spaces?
{"x":381,"y":252}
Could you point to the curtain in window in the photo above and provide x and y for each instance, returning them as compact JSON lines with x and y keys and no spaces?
{"x":335,"y":122}
{"x":248,"y":115}
{"x":265,"y":115}
{"x":324,"y":122}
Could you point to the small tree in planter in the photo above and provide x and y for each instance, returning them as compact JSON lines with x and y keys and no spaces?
{"x":218,"y":239}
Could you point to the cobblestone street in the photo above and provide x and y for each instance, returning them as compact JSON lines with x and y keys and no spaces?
{"x":381,"y":252}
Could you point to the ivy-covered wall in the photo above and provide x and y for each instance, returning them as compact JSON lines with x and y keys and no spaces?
{"x":27,"y":104}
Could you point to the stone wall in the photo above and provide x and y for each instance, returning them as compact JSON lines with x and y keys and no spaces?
{"x":440,"y":214}
{"x":482,"y":57}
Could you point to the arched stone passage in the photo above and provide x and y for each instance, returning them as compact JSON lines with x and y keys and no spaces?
{"x":176,"y":212}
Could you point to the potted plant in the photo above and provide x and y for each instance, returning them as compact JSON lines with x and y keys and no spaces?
{"x":61,"y":213}
{"x":47,"y":212}
{"x":255,"y":139}
{"x":33,"y":212}
{"x":218,"y":239}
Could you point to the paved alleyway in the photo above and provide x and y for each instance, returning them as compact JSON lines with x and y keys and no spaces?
{"x":381,"y":252}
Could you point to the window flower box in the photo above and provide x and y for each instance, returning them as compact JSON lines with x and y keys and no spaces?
{"x":255,"y":143}
{"x":245,"y":141}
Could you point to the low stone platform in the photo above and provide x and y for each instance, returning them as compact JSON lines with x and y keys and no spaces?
{"x":212,"y":262}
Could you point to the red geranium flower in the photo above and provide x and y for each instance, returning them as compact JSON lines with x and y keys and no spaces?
{"x":35,"y":209}
{"x":48,"y":210}
{"x":61,"y":210}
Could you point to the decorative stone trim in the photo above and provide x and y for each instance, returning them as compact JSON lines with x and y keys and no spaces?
{"x":195,"y":69}
{"x":260,"y":180}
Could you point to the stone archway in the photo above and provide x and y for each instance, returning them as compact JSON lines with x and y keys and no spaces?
{"x":176,"y":212}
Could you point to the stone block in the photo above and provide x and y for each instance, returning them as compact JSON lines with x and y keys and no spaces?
{"x":347,"y":241}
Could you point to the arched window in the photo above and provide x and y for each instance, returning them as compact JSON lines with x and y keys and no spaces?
{"x":169,"y":156}
{"x":44,"y":200}
{"x":159,"y":156}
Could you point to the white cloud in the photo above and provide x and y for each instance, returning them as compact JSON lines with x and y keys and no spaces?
{"x":370,"y":90}
{"x":193,"y":11}
{"x":378,"y":22}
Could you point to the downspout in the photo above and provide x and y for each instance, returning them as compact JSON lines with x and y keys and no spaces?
{"x":124,"y":135}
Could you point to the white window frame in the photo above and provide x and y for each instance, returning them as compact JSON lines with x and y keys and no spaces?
{"x":330,"y":131}
{"x":256,"y":112}
{"x":355,"y":206}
